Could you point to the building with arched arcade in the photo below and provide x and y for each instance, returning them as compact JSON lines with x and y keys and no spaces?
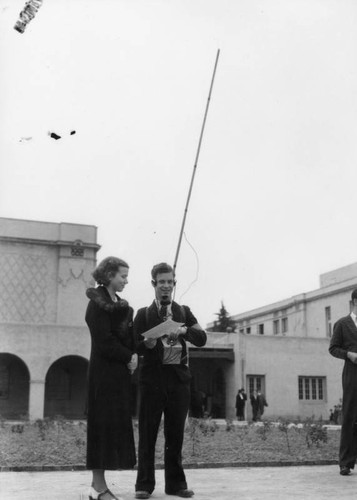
{"x":45,"y":269}
{"x":280,"y":348}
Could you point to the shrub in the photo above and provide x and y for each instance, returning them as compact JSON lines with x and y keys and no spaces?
{"x":207,"y":426}
{"x":315,"y":433}
{"x":284,"y":427}
{"x":264,"y":430}
{"x":229,"y":425}
{"x":193,"y":430}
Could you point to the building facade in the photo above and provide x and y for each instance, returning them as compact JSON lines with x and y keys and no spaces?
{"x":45,"y":269}
{"x":282,"y":350}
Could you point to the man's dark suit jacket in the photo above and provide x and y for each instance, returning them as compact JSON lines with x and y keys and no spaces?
{"x":151,"y":365}
{"x":344,"y":339}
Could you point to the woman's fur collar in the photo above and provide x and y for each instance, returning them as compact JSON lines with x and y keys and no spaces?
{"x":102,"y":298}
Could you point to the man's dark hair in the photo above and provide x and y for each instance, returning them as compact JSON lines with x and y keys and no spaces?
{"x":354,"y":294}
{"x":107,"y":269}
{"x":161,"y":268}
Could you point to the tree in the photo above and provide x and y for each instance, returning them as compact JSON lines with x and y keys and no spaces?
{"x":224,"y":321}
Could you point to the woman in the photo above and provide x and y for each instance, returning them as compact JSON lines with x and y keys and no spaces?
{"x":110,"y":441}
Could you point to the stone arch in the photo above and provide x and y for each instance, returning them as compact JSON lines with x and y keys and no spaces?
{"x":65,"y":388}
{"x":14,"y":387}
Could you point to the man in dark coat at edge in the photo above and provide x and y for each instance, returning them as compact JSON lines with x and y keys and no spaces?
{"x":343,"y":345}
{"x":164,"y":384}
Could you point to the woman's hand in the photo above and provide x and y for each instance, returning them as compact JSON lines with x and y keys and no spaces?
{"x":150,"y":343}
{"x":133,"y":363}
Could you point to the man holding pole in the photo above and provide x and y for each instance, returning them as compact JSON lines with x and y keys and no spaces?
{"x":164,"y":382}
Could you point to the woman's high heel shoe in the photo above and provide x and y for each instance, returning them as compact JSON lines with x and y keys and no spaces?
{"x":96,"y":495}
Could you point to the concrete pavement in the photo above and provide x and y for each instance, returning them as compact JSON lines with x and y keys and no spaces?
{"x":250,"y":483}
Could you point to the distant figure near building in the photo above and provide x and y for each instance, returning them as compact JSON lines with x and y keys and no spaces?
{"x":331,"y":417}
{"x":197,"y":402}
{"x":343,"y":345}
{"x":240,"y":404}
{"x":262,"y":402}
{"x":255,"y":405}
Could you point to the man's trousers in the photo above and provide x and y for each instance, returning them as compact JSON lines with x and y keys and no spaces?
{"x":348,"y":443}
{"x":170,"y":397}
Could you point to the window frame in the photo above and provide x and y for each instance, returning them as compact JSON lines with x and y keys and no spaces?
{"x":312,"y":389}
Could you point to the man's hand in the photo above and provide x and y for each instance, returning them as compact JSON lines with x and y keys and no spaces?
{"x":352,"y":356}
{"x":133,"y":363}
{"x":172,"y":338}
{"x":150,"y":343}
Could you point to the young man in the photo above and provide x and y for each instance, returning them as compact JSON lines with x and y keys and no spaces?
{"x":343,"y":345}
{"x":164,"y":384}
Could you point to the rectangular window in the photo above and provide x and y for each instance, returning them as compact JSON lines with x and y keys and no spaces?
{"x":311,"y":388}
{"x":251,"y":385}
{"x":328,"y":321}
{"x":261,"y":329}
{"x":255,"y":383}
{"x":248,"y":329}
{"x":307,"y":388}
{"x":284,"y":325}
{"x":301,"y":389}
{"x":276,"y":326}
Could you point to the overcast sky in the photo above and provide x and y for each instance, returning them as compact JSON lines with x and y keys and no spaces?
{"x":274,"y":196}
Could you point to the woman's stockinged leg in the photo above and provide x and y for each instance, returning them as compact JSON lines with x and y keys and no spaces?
{"x":99,"y":485}
{"x":98,"y":480}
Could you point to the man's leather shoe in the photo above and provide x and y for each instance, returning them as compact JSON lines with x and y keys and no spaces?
{"x":184,"y":493}
{"x":142,"y":494}
{"x":345,"y":471}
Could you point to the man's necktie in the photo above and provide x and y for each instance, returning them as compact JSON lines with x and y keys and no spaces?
{"x":163,"y":313}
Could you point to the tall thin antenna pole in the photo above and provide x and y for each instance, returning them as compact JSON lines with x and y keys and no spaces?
{"x":196,"y":161}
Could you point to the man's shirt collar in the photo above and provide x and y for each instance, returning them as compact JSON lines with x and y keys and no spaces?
{"x":158,"y":305}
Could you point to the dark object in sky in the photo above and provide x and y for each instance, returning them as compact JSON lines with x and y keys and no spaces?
{"x":27,"y":13}
{"x":73,"y":132}
{"x":54,"y":136}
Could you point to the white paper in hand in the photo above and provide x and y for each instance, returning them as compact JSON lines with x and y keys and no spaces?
{"x":164,"y":328}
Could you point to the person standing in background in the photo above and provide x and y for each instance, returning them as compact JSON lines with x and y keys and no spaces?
{"x":255,"y":405}
{"x":262,"y":402}
{"x":241,"y":398}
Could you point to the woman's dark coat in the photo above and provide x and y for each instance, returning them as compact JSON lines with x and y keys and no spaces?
{"x":240,"y":404}
{"x":110,"y":441}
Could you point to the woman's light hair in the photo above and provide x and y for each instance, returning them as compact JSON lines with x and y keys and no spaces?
{"x":107,"y":269}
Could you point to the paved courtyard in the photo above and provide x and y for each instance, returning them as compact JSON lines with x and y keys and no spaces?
{"x":253,"y":483}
